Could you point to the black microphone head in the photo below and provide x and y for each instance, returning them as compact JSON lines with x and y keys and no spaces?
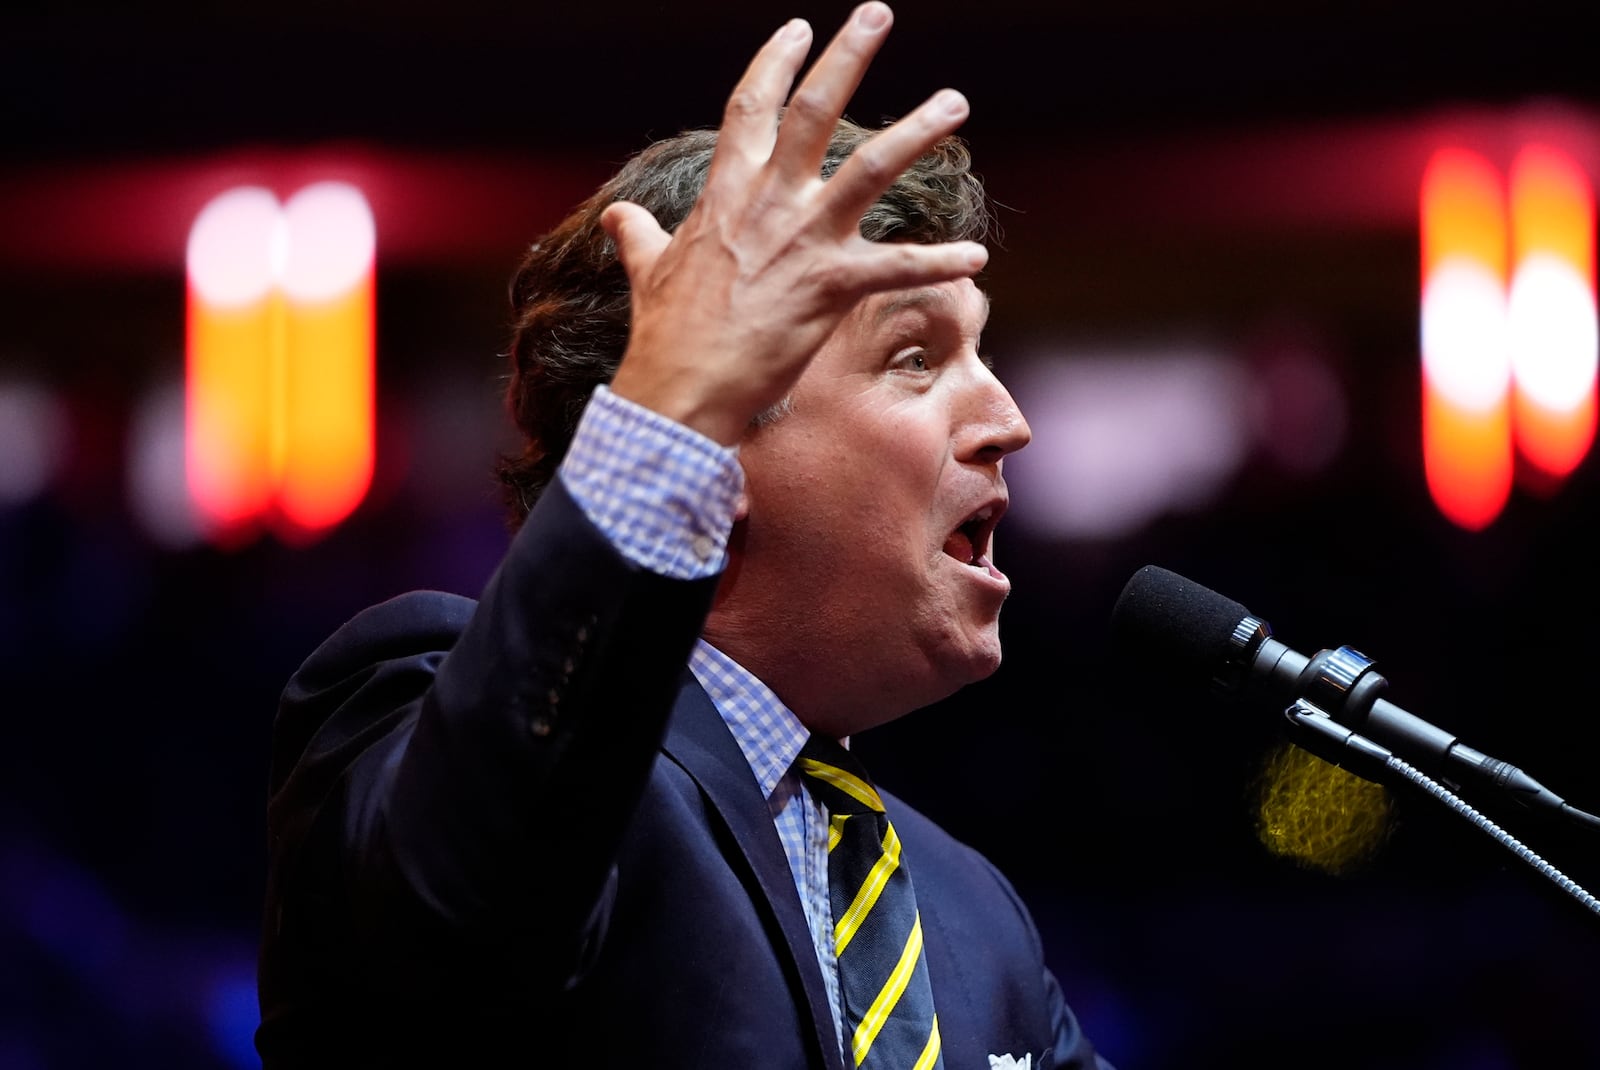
{"x":1174,"y":629}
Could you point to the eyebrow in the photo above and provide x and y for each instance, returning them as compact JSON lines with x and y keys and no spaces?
{"x":923,"y":297}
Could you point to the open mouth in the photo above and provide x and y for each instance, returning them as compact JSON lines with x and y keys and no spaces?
{"x":969,"y":542}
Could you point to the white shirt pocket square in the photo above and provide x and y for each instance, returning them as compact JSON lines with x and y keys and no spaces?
{"x":1006,"y":1062}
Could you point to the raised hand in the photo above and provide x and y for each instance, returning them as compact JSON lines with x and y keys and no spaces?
{"x":729,"y":308}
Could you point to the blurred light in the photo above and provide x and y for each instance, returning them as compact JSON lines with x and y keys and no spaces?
{"x":153,"y":982}
{"x":1318,"y":814}
{"x":67,"y":912}
{"x":233,"y":1013}
{"x":158,"y":496}
{"x":235,"y":250}
{"x":1298,"y":408}
{"x":1466,"y":368}
{"x":1552,"y":329}
{"x":33,"y":440}
{"x":1120,"y":440}
{"x":1464,"y":350}
{"x":326,"y":458}
{"x":235,"y":315}
{"x":330,"y":242}
{"x":280,"y":360}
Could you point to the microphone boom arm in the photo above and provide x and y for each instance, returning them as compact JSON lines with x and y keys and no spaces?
{"x":1313,"y":729}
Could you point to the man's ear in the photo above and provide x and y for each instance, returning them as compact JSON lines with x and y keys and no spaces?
{"x":741,"y":508}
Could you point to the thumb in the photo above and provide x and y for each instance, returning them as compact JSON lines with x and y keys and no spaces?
{"x":638,"y":236}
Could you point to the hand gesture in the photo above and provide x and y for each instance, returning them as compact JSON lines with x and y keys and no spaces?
{"x":728,"y":310}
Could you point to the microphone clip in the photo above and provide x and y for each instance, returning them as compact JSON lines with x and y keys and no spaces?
{"x":1313,"y":729}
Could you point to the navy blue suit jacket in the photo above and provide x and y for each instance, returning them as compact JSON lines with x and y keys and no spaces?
{"x":517,"y":831}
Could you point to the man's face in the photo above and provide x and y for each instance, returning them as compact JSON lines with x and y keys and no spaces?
{"x":860,"y":585}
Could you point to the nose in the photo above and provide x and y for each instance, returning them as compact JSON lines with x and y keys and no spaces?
{"x":991,"y":425}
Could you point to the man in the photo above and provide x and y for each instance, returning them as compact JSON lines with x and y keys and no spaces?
{"x":586,"y":820}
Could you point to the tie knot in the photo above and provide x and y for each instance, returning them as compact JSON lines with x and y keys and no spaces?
{"x":837,"y":777}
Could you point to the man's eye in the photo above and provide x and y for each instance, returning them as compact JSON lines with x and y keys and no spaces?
{"x":913,"y":359}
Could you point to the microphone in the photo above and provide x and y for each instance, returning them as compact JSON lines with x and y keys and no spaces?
{"x":1194,"y":636}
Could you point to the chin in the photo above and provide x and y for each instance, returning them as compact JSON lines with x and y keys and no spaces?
{"x":978,"y":663}
{"x":987,"y":668}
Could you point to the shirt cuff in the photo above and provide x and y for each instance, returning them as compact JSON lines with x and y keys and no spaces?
{"x":664,"y":495}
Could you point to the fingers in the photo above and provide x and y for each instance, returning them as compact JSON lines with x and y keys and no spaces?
{"x":638,"y":236}
{"x":750,"y":117}
{"x":879,"y":266}
{"x":820,"y":100}
{"x":751,"y":139}
{"x":874,"y":165}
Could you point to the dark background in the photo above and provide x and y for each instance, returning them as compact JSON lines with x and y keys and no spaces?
{"x":1227,"y":173}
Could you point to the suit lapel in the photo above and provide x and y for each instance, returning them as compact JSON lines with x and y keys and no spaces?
{"x":699,"y":742}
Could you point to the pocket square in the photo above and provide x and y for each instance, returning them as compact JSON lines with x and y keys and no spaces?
{"x":1006,"y":1062}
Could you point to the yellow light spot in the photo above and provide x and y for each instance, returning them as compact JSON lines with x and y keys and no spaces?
{"x":1319,"y":815}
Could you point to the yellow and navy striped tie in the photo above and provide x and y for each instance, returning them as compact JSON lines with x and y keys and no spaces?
{"x":889,"y":1021}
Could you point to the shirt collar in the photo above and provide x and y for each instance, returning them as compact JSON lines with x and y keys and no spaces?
{"x":767,"y":731}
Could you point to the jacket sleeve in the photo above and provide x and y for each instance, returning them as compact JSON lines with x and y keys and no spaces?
{"x":452,"y":780}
